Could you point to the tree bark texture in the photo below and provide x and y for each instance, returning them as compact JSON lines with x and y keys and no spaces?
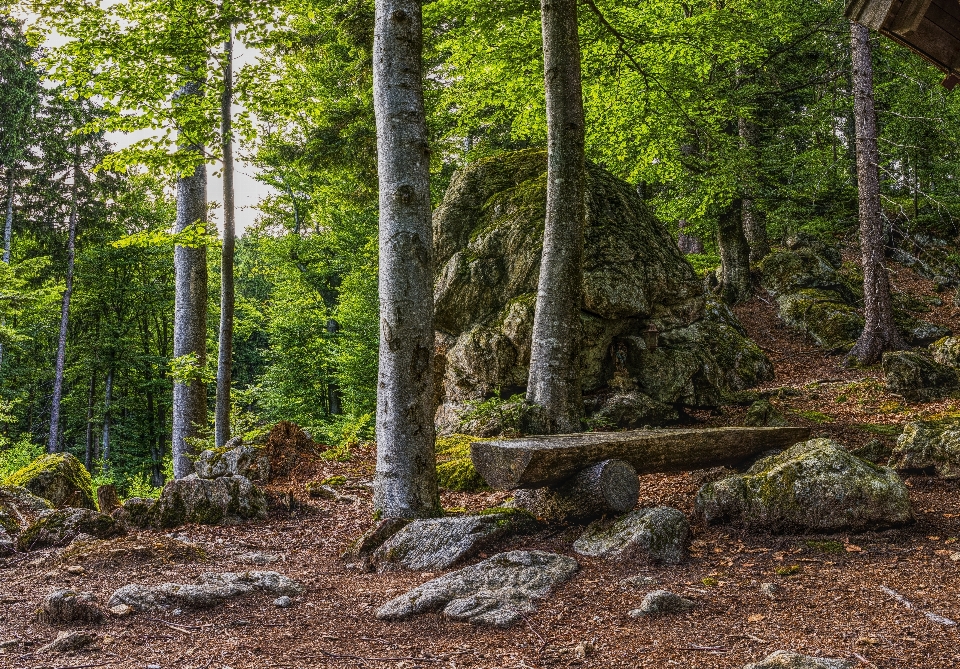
{"x":735,"y":285}
{"x":405,"y":485}
{"x":688,"y":243}
{"x":608,"y":487}
{"x":554,"y":380}
{"x":107,"y":401}
{"x":53,"y":443}
{"x":190,"y":313}
{"x":225,"y":352}
{"x":754,"y":224}
{"x":8,"y":225}
{"x":879,"y":333}
{"x":89,"y":456}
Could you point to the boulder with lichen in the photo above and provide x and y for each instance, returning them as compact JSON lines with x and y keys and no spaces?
{"x":59,"y":478}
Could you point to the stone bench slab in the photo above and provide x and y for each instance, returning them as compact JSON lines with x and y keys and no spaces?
{"x":535,"y":461}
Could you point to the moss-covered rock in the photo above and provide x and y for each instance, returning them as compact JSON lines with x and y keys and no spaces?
{"x":234,"y":459}
{"x":814,"y":485}
{"x":929,"y":445}
{"x":823,"y":315}
{"x":59,"y":478}
{"x":763,"y":414}
{"x":658,"y":534}
{"x":918,"y":332}
{"x":946,"y":351}
{"x":787,"y":271}
{"x":18,"y":509}
{"x":224,"y":500}
{"x":629,"y":410}
{"x":488,"y":235}
{"x":918,"y":377}
{"x":455,"y":470}
{"x":60,"y":527}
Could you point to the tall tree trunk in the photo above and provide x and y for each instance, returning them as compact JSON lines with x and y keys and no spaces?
{"x":879,"y":333}
{"x":754,"y":225}
{"x":7,"y":232}
{"x":405,"y":485}
{"x":225,"y":354}
{"x":8,"y":226}
{"x":688,"y":243}
{"x":88,"y":453}
{"x":554,"y":381}
{"x":735,"y":283}
{"x":190,"y":312}
{"x":53,"y":444}
{"x":334,"y":396}
{"x":107,"y":400}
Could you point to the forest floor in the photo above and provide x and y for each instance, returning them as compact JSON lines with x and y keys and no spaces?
{"x":833,"y":601}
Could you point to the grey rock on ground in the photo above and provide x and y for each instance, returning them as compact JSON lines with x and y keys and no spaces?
{"x":234,"y":459}
{"x":68,"y":641}
{"x":66,"y":606}
{"x":657,"y":534}
{"x":639,"y":581}
{"x":763,"y":414}
{"x":214,"y":589}
{"x":58,"y":528}
{"x":283,"y":602}
{"x":783,"y":659}
{"x":771,"y":590}
{"x":221,"y":501}
{"x":661,"y":602}
{"x":361,"y":548}
{"x":814,"y":485}
{"x":440,"y":543}
{"x":946,"y":351}
{"x":497,"y":591}
{"x":929,"y":445}
{"x":258,"y":558}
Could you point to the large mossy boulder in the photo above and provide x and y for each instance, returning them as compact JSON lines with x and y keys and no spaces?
{"x":917,"y":376}
{"x":830,"y":322}
{"x":18,"y":510}
{"x":813,"y":486}
{"x":221,"y":501}
{"x":60,"y":527}
{"x":59,"y":478}
{"x":488,"y":238}
{"x":930,"y":444}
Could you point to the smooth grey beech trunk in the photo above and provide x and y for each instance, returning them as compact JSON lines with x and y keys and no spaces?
{"x":754,"y":224}
{"x":879,"y":333}
{"x":225,"y":352}
{"x":190,"y":312}
{"x":405,"y":485}
{"x":554,"y":381}
{"x":735,"y":285}
{"x":107,"y":401}
{"x":89,"y":456}
{"x":53,"y":443}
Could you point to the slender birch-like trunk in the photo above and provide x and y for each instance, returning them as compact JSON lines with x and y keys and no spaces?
{"x":88,"y":453}
{"x":225,"y":353}
{"x":190,"y":311}
{"x":879,"y":333}
{"x":53,"y":444}
{"x":105,"y":442}
{"x":405,"y":485}
{"x":554,"y":381}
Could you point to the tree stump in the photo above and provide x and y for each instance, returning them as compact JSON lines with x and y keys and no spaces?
{"x":608,"y":487}
{"x":108,"y":499}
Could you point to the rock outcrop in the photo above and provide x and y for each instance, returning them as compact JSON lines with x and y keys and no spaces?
{"x":59,"y":478}
{"x":18,"y":510}
{"x":234,"y":459}
{"x":917,"y":376}
{"x":645,"y":318}
{"x":221,"y":501}
{"x":60,"y":527}
{"x":497,"y":591}
{"x":815,"y":485}
{"x":929,"y":445}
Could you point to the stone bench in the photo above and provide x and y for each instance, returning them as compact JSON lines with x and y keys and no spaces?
{"x":577,"y":476}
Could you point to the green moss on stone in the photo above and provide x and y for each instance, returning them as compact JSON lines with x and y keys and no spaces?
{"x":59,"y":478}
{"x":455,"y":470}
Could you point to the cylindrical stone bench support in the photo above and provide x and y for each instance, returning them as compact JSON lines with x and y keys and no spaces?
{"x":608,"y":487}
